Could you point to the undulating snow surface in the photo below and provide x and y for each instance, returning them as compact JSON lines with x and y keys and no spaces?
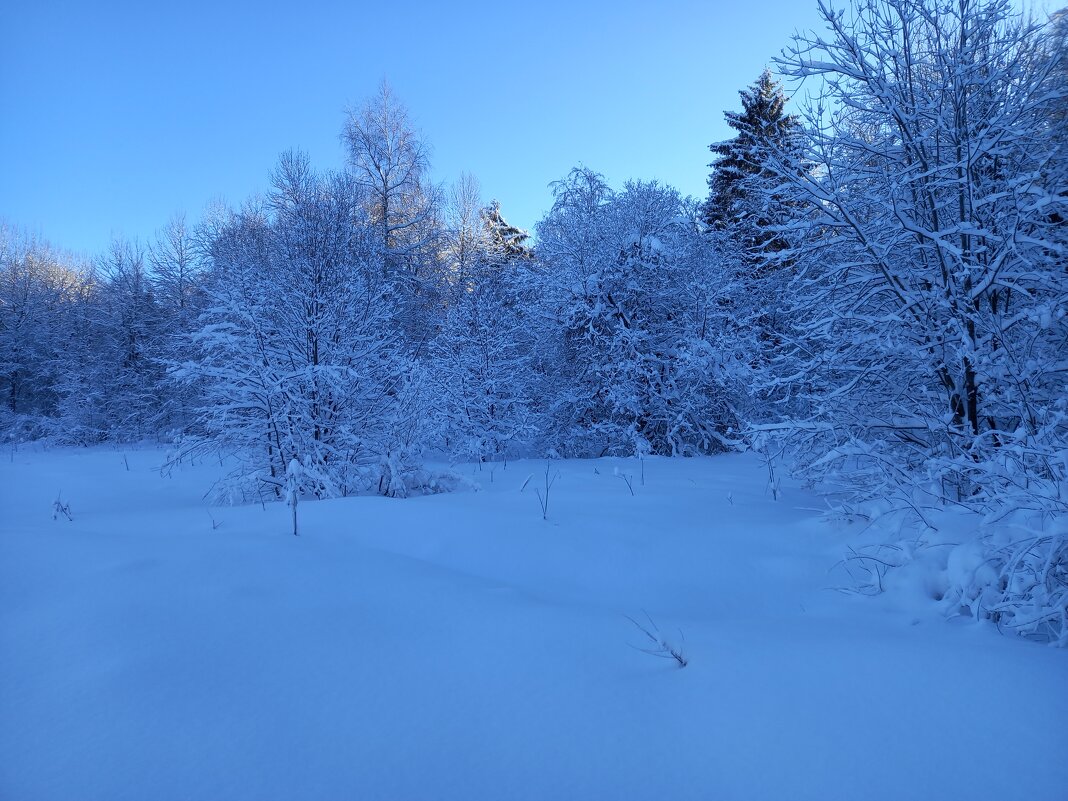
{"x":460,"y":647}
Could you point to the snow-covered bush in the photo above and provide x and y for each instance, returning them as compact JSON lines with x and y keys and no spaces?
{"x":1031,"y":590}
{"x":1015,"y":577}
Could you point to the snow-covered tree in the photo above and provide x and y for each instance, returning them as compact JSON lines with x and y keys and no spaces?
{"x":483,"y":363}
{"x":930,"y":281}
{"x":178,"y":276}
{"x":482,"y":357}
{"x":742,"y":201}
{"x":111,"y":372}
{"x":465,"y":238}
{"x":507,"y":239}
{"x":176,"y":271}
{"x":297,"y":357}
{"x":928,"y":302}
{"x":36,"y":284}
{"x":630,"y":371}
{"x":390,"y":162}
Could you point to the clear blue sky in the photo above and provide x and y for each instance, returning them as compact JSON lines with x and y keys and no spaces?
{"x":113,"y":116}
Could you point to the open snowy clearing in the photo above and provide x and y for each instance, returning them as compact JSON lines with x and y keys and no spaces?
{"x":459,"y":647}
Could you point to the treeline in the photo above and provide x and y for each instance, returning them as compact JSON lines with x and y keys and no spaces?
{"x":875,"y":288}
{"x":355,"y":319}
{"x":883,"y":269}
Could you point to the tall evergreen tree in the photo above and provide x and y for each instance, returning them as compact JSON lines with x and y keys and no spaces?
{"x":506,"y":239}
{"x":737,"y":201}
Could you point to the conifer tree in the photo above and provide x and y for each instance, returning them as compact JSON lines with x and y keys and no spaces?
{"x":737,"y":202}
{"x":506,"y":239}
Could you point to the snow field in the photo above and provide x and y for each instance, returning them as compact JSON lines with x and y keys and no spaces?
{"x":460,"y":647}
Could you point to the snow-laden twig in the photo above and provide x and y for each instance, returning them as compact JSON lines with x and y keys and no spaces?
{"x":543,"y":499}
{"x":61,"y":508}
{"x":660,"y":646}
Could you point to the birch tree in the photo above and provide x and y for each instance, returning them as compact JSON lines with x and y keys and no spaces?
{"x":390,"y":162}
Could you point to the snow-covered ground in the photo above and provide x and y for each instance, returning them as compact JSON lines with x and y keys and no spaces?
{"x":459,"y":647}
